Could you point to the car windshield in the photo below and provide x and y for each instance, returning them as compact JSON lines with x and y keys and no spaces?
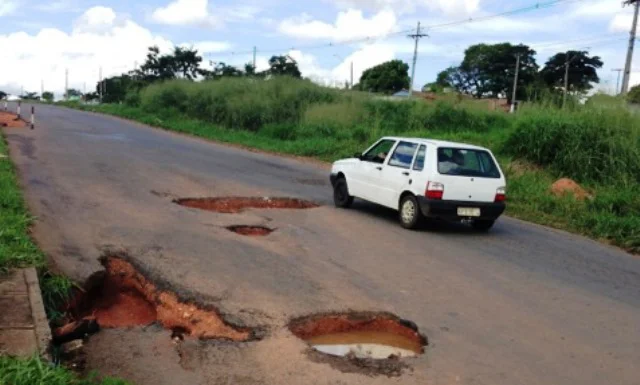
{"x":467,"y":162}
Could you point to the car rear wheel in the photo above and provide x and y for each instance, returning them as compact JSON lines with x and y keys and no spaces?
{"x":409,"y":212}
{"x":482,"y":225}
{"x":341,"y":197}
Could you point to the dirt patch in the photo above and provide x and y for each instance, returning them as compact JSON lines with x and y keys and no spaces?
{"x":371,"y":342}
{"x":232,"y":205}
{"x":251,"y":231}
{"x":8,"y":119}
{"x":125,"y":298}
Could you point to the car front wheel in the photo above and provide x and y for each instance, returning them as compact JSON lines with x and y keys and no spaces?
{"x":410,"y":214}
{"x":341,"y":197}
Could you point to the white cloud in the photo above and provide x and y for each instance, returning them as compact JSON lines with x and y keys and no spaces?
{"x":621,"y":23}
{"x":596,"y":9}
{"x":7,"y":7}
{"x":185,"y":12}
{"x":448,"y":7}
{"x":350,"y":24}
{"x":100,"y":38}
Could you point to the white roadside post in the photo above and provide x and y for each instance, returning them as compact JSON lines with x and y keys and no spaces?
{"x":19,"y":106}
{"x":5,"y":105}
{"x":33,"y":117}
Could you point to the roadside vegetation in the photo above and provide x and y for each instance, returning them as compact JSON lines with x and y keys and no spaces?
{"x":33,"y":371}
{"x":597,"y":144}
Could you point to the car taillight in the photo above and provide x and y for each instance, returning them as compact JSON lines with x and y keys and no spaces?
{"x":501,"y":195}
{"x":435,"y":190}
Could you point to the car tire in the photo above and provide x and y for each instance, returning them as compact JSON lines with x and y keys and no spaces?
{"x":482,"y":225}
{"x":409,"y":212}
{"x":341,"y":197}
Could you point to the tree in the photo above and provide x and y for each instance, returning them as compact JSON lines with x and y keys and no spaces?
{"x":114,"y":89}
{"x":47,"y":96}
{"x":284,"y":65}
{"x":582,"y":71}
{"x":633,"y":96}
{"x":388,"y":77}
{"x":182,"y":63}
{"x":442,"y":82}
{"x":30,"y":96}
{"x":3,"y":95}
{"x":73,"y":93}
{"x":488,"y":70}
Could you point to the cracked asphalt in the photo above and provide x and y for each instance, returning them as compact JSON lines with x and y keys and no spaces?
{"x":523,"y":304}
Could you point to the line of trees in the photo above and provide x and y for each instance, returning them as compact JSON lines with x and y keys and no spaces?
{"x":183,"y":63}
{"x":488,"y":70}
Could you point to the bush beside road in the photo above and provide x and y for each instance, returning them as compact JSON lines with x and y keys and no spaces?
{"x":597,"y":146}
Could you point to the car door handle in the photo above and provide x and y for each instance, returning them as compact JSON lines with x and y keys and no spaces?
{"x":379,"y":168}
{"x":406,"y":173}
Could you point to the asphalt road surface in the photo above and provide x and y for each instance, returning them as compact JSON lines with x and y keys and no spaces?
{"x":521,"y":305}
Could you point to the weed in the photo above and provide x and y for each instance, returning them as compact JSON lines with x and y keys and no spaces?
{"x":16,"y":371}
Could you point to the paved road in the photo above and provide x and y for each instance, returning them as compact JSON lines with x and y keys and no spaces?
{"x":521,"y":305}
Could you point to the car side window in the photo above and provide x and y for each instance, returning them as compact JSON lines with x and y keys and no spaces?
{"x":403,"y":155}
{"x":378,"y":154}
{"x":418,"y":165}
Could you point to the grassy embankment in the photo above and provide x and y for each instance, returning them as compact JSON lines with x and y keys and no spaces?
{"x":598,"y":146}
{"x":18,"y":250}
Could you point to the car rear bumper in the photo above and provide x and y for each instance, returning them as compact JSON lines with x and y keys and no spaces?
{"x":449,"y":209}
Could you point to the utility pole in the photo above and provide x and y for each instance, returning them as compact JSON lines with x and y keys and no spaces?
{"x":255,"y":50}
{"x":100,"y":85}
{"x":351,"y":87}
{"x":41,"y":88}
{"x":417,"y":36}
{"x":632,"y":42}
{"x":66,"y":84}
{"x":618,"y":70}
{"x":515,"y":84}
{"x":566,"y":79}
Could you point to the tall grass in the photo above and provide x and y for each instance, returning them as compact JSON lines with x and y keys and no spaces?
{"x":589,"y":144}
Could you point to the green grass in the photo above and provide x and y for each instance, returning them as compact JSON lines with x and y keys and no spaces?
{"x":598,"y":145}
{"x":16,"y":247}
{"x":34,"y":371}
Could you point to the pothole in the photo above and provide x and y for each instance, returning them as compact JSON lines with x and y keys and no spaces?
{"x":251,"y":231}
{"x":125,"y":298}
{"x":360,"y":335}
{"x":232,"y":205}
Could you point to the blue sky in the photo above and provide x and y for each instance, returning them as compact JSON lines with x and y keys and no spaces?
{"x":40,"y":39}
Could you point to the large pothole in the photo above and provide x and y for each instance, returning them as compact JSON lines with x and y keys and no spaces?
{"x":360,"y":335}
{"x":125,"y":298}
{"x":232,"y":205}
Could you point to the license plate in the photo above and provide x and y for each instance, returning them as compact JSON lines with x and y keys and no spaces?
{"x":468,"y":212}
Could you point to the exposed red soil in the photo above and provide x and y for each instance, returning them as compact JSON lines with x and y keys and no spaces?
{"x":126,"y":298}
{"x":8,"y":119}
{"x":251,"y":231}
{"x":567,"y":186}
{"x":307,"y":328}
{"x":232,"y":205}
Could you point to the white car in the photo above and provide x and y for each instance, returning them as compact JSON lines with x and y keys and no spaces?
{"x":424,"y":178}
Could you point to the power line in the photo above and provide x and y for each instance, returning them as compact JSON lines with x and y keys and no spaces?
{"x":534,"y":7}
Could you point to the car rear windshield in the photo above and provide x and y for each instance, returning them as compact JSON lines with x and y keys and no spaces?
{"x":467,"y":162}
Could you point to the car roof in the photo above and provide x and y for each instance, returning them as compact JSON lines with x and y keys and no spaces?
{"x":437,"y":143}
